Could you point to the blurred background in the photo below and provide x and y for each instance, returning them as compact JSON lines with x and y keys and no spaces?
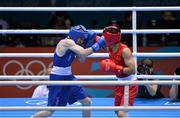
{"x":91,"y":20}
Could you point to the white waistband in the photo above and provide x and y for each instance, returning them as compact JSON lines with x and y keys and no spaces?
{"x":128,"y":78}
{"x":61,"y":70}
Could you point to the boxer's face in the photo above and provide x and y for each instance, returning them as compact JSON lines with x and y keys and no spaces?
{"x":80,"y":42}
{"x":114,"y":47}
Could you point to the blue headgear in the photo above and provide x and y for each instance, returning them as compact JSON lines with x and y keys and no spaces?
{"x":78,"y":31}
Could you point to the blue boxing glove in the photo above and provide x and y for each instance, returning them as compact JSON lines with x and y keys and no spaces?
{"x":99,"y":44}
{"x":91,"y":39}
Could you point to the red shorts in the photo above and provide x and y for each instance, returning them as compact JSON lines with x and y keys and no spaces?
{"x":119,"y":95}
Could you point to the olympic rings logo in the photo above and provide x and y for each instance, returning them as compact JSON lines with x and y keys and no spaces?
{"x":15,"y":67}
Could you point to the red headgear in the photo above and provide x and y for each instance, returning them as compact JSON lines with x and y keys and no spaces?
{"x":111,"y":38}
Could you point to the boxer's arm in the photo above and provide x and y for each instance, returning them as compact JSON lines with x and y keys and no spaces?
{"x":100,"y":42}
{"x":80,"y":51}
{"x":81,"y":58}
{"x":152,"y":89}
{"x":108,"y":65}
{"x":129,"y":61}
{"x":173,"y":92}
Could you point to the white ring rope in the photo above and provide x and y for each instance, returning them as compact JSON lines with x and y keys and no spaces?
{"x":56,"y":31}
{"x":157,"y":8}
{"x":94,"y":55}
{"x":85,"y":77}
{"x":163,"y":54}
{"x":16,"y":108}
{"x":174,"y":82}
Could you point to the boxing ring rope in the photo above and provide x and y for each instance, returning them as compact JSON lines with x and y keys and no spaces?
{"x":95,"y":55}
{"x":134,"y":31}
{"x":90,"y":77}
{"x":56,"y":31}
{"x":93,"y":108}
{"x":89,"y":82}
{"x":157,"y":8}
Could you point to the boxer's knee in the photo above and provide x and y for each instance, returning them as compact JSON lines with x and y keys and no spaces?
{"x":86,"y":101}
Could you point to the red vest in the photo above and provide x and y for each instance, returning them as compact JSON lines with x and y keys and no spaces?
{"x":118,"y":58}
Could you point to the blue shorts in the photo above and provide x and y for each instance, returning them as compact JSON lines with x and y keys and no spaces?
{"x":63,"y":94}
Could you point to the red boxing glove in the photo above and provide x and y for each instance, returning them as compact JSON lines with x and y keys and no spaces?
{"x":97,"y":38}
{"x":108,"y":65}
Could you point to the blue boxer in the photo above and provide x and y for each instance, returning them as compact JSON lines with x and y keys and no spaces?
{"x":61,"y":95}
{"x":78,"y":44}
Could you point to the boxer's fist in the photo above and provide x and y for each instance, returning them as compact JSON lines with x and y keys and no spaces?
{"x":99,"y":44}
{"x":91,"y":39}
{"x":108,"y":65}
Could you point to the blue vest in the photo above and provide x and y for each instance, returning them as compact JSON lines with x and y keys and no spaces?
{"x":65,"y":60}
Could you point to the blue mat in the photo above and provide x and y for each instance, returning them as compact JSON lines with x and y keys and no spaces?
{"x":95,"y":114}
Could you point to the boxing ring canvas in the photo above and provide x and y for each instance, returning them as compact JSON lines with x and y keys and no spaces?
{"x":95,"y":113}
